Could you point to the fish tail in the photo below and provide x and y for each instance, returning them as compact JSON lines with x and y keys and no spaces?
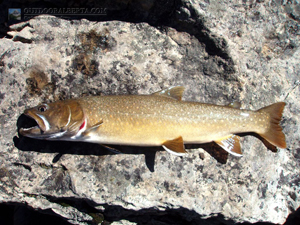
{"x":273,"y":133}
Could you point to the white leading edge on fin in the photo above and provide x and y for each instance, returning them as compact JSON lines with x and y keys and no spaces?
{"x":228,"y":145}
{"x":235,"y":154}
{"x":172,"y":152}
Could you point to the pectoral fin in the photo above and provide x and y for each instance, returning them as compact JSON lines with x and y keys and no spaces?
{"x":175,"y":146}
{"x":231,"y":144}
{"x":114,"y":150}
{"x":92,"y":129}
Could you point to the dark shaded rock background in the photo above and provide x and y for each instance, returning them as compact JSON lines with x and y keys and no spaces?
{"x":219,"y":50}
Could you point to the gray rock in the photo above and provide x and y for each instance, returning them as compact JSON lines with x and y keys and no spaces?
{"x":25,"y":35}
{"x":220,"y":51}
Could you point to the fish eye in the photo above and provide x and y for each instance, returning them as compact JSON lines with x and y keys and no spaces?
{"x":42,"y":108}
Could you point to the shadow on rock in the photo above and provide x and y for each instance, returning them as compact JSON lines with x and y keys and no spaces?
{"x":293,"y":218}
{"x":179,"y":216}
{"x":21,"y":214}
{"x":16,"y":213}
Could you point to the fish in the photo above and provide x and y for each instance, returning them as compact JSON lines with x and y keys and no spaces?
{"x":159,"y":119}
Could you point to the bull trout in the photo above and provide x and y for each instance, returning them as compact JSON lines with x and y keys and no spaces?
{"x":159,"y":119}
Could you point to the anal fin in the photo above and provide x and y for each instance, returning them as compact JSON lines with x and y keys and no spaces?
{"x":231,"y":144}
{"x":175,"y":146}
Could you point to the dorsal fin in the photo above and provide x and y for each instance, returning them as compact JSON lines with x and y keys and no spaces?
{"x":171,"y":92}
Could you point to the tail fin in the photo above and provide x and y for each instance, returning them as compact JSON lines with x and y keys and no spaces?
{"x":274,"y":134}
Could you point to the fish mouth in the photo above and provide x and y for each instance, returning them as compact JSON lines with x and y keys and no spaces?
{"x":34,"y":131}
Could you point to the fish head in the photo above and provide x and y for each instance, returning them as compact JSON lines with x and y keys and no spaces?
{"x":54,"y":120}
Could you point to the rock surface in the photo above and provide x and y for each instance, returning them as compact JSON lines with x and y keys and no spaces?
{"x":220,"y":51}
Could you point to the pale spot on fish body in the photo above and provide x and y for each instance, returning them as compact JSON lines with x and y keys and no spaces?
{"x":244,"y":114}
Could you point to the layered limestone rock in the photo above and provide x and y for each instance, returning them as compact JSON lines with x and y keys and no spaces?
{"x":248,"y":53}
